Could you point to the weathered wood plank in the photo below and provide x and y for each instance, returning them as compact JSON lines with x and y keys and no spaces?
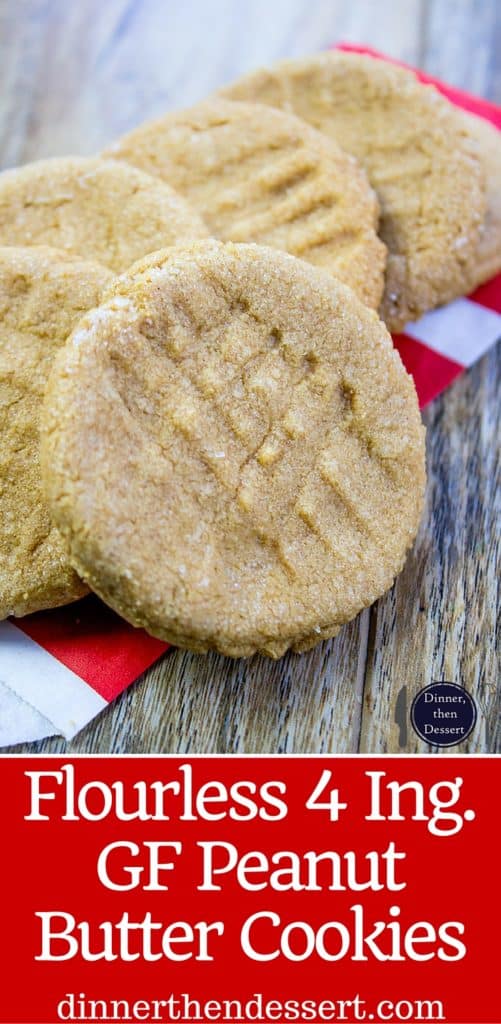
{"x":194,"y":703}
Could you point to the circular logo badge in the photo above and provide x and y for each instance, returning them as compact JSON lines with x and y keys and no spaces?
{"x":443,"y":714}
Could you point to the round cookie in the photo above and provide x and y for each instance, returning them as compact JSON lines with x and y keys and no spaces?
{"x":258,"y":175}
{"x":487,"y":146}
{"x":94,"y":209}
{"x":415,"y":151}
{"x":250,"y":472}
{"x":43,"y":294}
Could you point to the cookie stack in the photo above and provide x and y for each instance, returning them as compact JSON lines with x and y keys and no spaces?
{"x":221,"y":441}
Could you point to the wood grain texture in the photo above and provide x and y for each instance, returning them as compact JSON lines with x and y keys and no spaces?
{"x":73,"y":76}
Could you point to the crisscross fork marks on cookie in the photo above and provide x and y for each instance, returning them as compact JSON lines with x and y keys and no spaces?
{"x":279,"y":173}
{"x":292,"y":396}
{"x":262,"y":175}
{"x":417,"y":156}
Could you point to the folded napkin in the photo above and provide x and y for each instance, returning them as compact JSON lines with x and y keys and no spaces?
{"x":59,"y":669}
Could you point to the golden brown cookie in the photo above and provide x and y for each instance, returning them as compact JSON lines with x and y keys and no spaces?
{"x":43,"y":293}
{"x":258,"y":175}
{"x":96,"y":209}
{"x":414,"y":149}
{"x":250,"y":471}
{"x":487,"y":145}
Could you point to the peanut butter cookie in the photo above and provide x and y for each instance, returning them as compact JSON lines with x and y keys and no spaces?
{"x":415,"y":151}
{"x":43,"y":293}
{"x":93,"y":209}
{"x":258,"y":175}
{"x":249,"y":473}
{"x":487,"y":146}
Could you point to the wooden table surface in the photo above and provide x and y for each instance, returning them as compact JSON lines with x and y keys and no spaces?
{"x":73,"y":76}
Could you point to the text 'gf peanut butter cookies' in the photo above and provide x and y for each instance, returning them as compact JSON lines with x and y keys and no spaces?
{"x":233,"y":451}
{"x":415,"y":150}
{"x":258,"y":175}
{"x":94,"y":209}
{"x":43,"y":294}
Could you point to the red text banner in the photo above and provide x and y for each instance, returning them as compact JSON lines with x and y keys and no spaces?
{"x":250,"y":889}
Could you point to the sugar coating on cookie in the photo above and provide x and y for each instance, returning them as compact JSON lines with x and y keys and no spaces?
{"x":94,"y":209}
{"x":249,"y":472}
{"x":43,"y":294}
{"x":259,"y":175}
{"x":486,"y":141}
{"x":414,"y":148}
